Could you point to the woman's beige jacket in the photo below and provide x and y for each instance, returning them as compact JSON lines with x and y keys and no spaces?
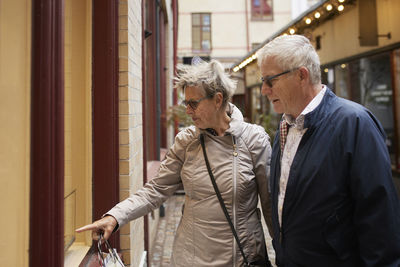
{"x":240,"y":164}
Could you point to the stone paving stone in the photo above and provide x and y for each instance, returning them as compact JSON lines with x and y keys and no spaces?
{"x":166,"y":231}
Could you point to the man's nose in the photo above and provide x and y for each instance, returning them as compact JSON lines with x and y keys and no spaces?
{"x":265,"y":89}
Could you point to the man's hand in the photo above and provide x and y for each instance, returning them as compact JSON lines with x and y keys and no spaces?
{"x":105,"y":225}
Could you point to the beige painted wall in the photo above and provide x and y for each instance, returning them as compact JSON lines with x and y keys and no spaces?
{"x":15,"y":54}
{"x":228,"y":26}
{"x":340,"y":36}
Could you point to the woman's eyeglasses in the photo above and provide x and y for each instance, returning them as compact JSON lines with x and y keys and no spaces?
{"x":193,"y":104}
{"x":267,"y":79}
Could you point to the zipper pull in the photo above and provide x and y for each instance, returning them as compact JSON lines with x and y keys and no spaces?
{"x":234,"y":148}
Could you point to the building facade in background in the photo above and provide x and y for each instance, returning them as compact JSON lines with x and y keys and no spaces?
{"x":84,"y":89}
{"x":227,"y":31}
{"x":359,"y":47}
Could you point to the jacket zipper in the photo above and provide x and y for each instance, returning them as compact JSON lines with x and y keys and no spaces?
{"x":234,"y":196}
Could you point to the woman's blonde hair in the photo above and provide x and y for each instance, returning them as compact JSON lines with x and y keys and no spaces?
{"x":210,"y":76}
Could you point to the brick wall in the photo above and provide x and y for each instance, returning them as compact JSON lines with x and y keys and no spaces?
{"x":130,"y":122}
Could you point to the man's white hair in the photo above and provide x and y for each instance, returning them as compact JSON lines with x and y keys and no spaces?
{"x":290,"y":52}
{"x":209,"y":76}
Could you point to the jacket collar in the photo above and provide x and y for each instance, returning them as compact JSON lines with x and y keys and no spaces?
{"x":236,"y":124}
{"x":319,"y":113}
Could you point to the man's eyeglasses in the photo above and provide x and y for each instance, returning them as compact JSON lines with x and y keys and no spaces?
{"x":193,"y":104}
{"x":267,"y":79}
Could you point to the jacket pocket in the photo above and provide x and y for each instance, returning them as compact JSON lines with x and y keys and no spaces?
{"x":339,"y":234}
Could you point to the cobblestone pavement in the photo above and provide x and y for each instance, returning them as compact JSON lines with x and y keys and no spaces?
{"x":166,"y":231}
{"x":167,"y":225}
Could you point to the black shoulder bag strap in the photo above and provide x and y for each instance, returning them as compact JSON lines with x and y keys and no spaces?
{"x":221,"y":201}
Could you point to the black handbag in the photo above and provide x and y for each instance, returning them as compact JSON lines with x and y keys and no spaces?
{"x":265,"y":262}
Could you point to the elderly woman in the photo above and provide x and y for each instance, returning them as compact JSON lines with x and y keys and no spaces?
{"x":238,"y":155}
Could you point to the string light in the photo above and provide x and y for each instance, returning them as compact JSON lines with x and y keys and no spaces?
{"x":317,"y":15}
{"x":308,"y":21}
{"x":292,"y":31}
{"x":329,"y":7}
{"x":340,"y":8}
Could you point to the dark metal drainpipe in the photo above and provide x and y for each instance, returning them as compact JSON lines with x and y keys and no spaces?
{"x":175,"y":40}
{"x":144,"y":125}
{"x":158,"y":85}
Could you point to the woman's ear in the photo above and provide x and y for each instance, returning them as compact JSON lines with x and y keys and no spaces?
{"x":218,"y":99}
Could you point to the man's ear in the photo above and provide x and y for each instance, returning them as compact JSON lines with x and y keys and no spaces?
{"x":304,"y":73}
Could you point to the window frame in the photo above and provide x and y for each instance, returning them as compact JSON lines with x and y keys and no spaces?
{"x":201,"y":26}
{"x":257,"y":12}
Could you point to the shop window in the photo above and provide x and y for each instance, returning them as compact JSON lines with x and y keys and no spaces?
{"x":368,"y":82}
{"x":328,"y":77}
{"x":318,"y":42}
{"x":261,"y":10}
{"x":77,"y":129}
{"x":201,"y":32}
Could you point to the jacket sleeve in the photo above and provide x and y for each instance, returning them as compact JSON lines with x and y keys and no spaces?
{"x":260,"y":150}
{"x":377,"y":208}
{"x":156,"y":191}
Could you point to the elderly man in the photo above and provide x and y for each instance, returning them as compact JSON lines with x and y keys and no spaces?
{"x":333,"y":198}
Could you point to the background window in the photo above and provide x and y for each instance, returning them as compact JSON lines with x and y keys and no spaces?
{"x":201,"y":31}
{"x":261,"y":9}
{"x":368,"y":82}
{"x":77,"y":129}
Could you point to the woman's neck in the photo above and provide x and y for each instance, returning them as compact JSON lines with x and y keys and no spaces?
{"x":222,"y":123}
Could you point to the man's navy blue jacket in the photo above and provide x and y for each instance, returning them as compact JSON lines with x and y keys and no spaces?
{"x":341,"y":207}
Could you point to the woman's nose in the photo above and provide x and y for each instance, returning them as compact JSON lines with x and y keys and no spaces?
{"x":189,"y":110}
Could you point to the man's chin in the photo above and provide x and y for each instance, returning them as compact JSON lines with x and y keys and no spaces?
{"x":277,"y":108}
